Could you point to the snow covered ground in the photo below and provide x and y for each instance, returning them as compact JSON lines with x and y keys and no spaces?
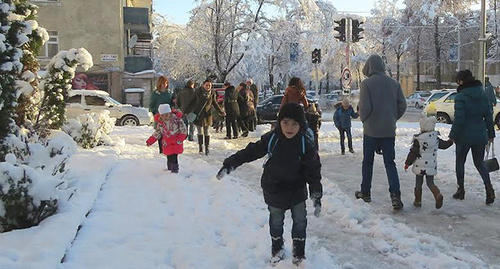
{"x":142,"y":216}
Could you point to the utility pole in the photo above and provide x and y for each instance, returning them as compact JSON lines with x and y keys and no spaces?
{"x":482,"y":44}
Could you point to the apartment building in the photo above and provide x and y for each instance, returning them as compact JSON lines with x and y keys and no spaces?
{"x":116,"y":32}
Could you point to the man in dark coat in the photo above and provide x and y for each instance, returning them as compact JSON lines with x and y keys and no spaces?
{"x":201,"y":104}
{"x":490,"y":92}
{"x":381,"y":104}
{"x":232,"y":111}
{"x":183,"y":98}
{"x":246,"y":108}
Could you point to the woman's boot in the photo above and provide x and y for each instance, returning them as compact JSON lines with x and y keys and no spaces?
{"x":437,"y":196}
{"x":207,"y":144}
{"x":460,"y":194}
{"x":490,"y":194}
{"x":200,"y":143}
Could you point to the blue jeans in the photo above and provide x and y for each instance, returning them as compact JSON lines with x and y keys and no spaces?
{"x":477,"y":156}
{"x":277,"y":219}
{"x":343,"y":134}
{"x":370,"y":144}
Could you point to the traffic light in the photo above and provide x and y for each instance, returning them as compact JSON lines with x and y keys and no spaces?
{"x":356,"y":30}
{"x":341,"y":29}
{"x":316,"y":56}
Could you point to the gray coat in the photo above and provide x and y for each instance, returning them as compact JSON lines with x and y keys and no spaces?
{"x":381,"y":100}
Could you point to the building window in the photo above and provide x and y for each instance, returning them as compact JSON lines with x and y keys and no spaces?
{"x":51,"y":48}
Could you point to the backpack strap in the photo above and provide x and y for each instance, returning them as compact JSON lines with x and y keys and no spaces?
{"x":270,"y":146}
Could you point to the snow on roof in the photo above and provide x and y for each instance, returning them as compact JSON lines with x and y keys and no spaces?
{"x":88,"y":92}
{"x":141,"y":73}
{"x":134,"y":90}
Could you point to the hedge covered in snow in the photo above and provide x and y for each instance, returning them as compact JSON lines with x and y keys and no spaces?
{"x":90,"y":130}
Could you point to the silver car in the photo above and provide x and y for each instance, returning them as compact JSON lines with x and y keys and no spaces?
{"x":90,"y":101}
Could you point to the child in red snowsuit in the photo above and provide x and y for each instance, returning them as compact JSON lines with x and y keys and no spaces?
{"x":172,"y":130}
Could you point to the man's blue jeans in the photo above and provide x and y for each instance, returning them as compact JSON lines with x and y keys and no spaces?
{"x":277,"y":219}
{"x":370,"y":144}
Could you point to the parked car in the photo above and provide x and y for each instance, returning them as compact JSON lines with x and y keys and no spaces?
{"x":267,"y":110}
{"x":444,"y":109}
{"x":329,"y":100}
{"x":312,"y":95}
{"x":417,"y":99}
{"x":220,"y":91}
{"x":92,"y":101}
{"x":436,"y":94}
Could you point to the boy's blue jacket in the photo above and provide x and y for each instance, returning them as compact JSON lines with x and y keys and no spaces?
{"x":342,"y":117}
{"x":287,"y":171}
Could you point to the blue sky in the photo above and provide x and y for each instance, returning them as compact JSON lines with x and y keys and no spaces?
{"x":178,"y":10}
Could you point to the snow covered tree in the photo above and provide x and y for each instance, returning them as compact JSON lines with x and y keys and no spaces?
{"x":60,"y":71}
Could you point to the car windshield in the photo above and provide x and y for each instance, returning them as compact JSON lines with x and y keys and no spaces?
{"x":436,"y":96}
{"x":425,"y":94}
{"x":112,"y":101}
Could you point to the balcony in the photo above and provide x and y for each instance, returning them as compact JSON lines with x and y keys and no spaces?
{"x":136,"y":19}
{"x":134,"y":64}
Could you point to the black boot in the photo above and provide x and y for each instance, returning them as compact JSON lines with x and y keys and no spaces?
{"x":200,"y":143}
{"x":169,"y":166}
{"x":174,"y":168}
{"x":276,"y":246}
{"x":490,"y":194}
{"x":363,"y":195}
{"x":207,"y":144}
{"x":396,"y":201}
{"x":460,"y":194}
{"x":299,"y":254}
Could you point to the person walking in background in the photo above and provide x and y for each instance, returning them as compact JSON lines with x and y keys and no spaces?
{"x":293,"y":162}
{"x":170,"y":131}
{"x":313,"y":117}
{"x":381,"y":104}
{"x":342,"y":119}
{"x":255,"y":92}
{"x":246,"y":108}
{"x":423,"y":157}
{"x":295,"y":92}
{"x":161,"y":95}
{"x":471,"y":130}
{"x":232,"y":111}
{"x":490,"y":92}
{"x":201,"y":104}
{"x":183,"y":98}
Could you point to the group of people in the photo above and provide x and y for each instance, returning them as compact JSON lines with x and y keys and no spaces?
{"x":292,"y":170}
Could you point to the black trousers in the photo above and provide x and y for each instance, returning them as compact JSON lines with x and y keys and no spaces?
{"x":172,"y":159}
{"x":231,"y":123}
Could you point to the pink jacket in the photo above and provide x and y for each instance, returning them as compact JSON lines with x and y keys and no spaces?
{"x":173,"y":132}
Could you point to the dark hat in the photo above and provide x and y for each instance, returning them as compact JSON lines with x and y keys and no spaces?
{"x":293,"y":111}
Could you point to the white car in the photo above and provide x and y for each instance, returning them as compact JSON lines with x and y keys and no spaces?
{"x":312,"y":95}
{"x":436,"y":94}
{"x":444,"y":109}
{"x":417,"y":99}
{"x":91,"y":101}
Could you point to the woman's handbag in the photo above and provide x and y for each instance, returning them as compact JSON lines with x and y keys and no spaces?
{"x":491,"y":164}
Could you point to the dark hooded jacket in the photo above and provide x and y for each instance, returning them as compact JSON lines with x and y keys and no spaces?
{"x":231,"y":97}
{"x":473,"y":123}
{"x":381,"y":100}
{"x":183,"y":97}
{"x":201,"y":104}
{"x":287,"y":170}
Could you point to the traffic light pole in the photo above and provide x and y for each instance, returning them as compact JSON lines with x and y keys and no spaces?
{"x":482,"y":44}
{"x":317,"y":78}
{"x":348,"y":50}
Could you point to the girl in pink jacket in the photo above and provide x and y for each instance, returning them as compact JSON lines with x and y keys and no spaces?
{"x":172,"y":130}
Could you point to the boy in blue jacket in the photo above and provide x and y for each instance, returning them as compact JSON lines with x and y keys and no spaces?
{"x":292,"y":163}
{"x":342,"y":120}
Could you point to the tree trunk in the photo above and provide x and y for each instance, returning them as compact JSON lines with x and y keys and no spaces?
{"x":398,"y":60}
{"x":438,"y":52}
{"x":417,"y":59}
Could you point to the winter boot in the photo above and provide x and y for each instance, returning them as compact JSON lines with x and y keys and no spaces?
{"x":490,"y":194}
{"x":299,"y":245}
{"x":200,"y":143}
{"x":418,"y":197}
{"x":363,"y":195}
{"x":343,"y":151}
{"x":351,"y":150}
{"x":437,"y":196}
{"x":174,"y":168}
{"x":169,"y":166}
{"x":460,"y":194}
{"x":396,"y":201}
{"x":207,"y":143}
{"x":277,"y":251}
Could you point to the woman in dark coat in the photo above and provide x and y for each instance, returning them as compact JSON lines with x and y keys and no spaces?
{"x":247,"y":109}
{"x":183,"y":98}
{"x":232,"y":111}
{"x":201,"y":105}
{"x":471,"y":130}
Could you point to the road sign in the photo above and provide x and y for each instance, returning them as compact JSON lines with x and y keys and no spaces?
{"x":346,"y":78}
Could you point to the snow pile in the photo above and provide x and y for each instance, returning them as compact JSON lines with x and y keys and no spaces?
{"x":90,"y":130}
{"x":26,"y":197}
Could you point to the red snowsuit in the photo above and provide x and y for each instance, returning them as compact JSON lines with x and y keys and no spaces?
{"x":173,"y":133}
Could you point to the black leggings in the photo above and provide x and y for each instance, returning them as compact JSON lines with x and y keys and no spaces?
{"x":172,"y":159}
